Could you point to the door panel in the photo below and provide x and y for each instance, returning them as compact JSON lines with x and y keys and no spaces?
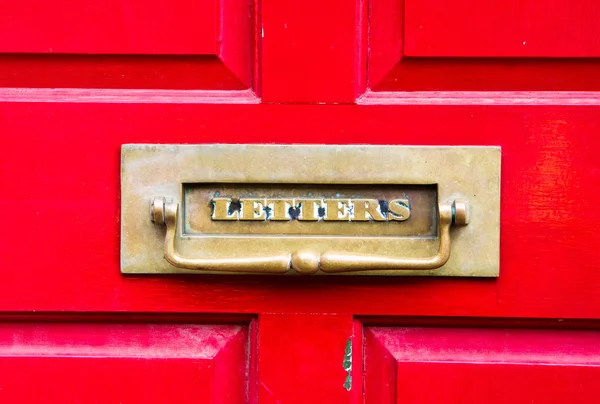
{"x":315,"y":350}
{"x":109,"y":27}
{"x":502,"y":28}
{"x":99,"y":363}
{"x":133,"y":44}
{"x":80,"y":79}
{"x":306,"y":57}
{"x":62,"y":171}
{"x":429,"y":365}
{"x":435,"y":45}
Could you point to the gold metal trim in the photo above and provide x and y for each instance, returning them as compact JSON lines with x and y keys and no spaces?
{"x":167,"y":213}
{"x":307,"y":261}
{"x":448,"y":215}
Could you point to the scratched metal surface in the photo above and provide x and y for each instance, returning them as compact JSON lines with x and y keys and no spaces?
{"x":471,"y":173}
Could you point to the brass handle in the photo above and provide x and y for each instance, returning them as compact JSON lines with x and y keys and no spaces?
{"x":308,"y":261}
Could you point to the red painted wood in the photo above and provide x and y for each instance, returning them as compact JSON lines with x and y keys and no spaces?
{"x":497,"y":383}
{"x":502,"y":28}
{"x":109,"y":27}
{"x":122,"y":363}
{"x":121,"y":71}
{"x":176,"y":79}
{"x":429,"y":365}
{"x":301,"y":358}
{"x":478,"y":46}
{"x":464,"y":74}
{"x":358,"y":367}
{"x":310,"y":50}
{"x":206,"y":44}
{"x":62,"y":171}
{"x":236,"y":41}
{"x":385,"y":42}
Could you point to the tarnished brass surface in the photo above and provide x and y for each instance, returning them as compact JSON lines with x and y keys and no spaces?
{"x":197,"y":198}
{"x":305,"y":261}
{"x":376,"y":210}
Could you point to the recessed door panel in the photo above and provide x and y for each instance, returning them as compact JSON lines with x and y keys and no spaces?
{"x":99,"y":363}
{"x":502,"y":28}
{"x":470,"y":45}
{"x":109,"y":27}
{"x":429,"y":365}
{"x":202,"y":44}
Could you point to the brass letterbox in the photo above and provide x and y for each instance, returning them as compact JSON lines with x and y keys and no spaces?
{"x":310,"y":209}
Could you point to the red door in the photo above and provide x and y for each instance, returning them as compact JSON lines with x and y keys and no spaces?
{"x":81,"y":78}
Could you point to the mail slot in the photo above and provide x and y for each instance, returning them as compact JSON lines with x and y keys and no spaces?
{"x":310,"y":209}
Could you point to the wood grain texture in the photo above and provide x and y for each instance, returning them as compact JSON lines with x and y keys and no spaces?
{"x":126,"y":363}
{"x":471,"y":365}
{"x":62,"y":173}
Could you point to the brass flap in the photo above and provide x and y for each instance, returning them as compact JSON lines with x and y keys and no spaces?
{"x":283,"y":209}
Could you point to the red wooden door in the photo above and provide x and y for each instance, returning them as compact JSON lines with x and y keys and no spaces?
{"x":80,"y":78}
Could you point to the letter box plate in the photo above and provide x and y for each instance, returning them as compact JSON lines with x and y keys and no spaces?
{"x":310,"y":209}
